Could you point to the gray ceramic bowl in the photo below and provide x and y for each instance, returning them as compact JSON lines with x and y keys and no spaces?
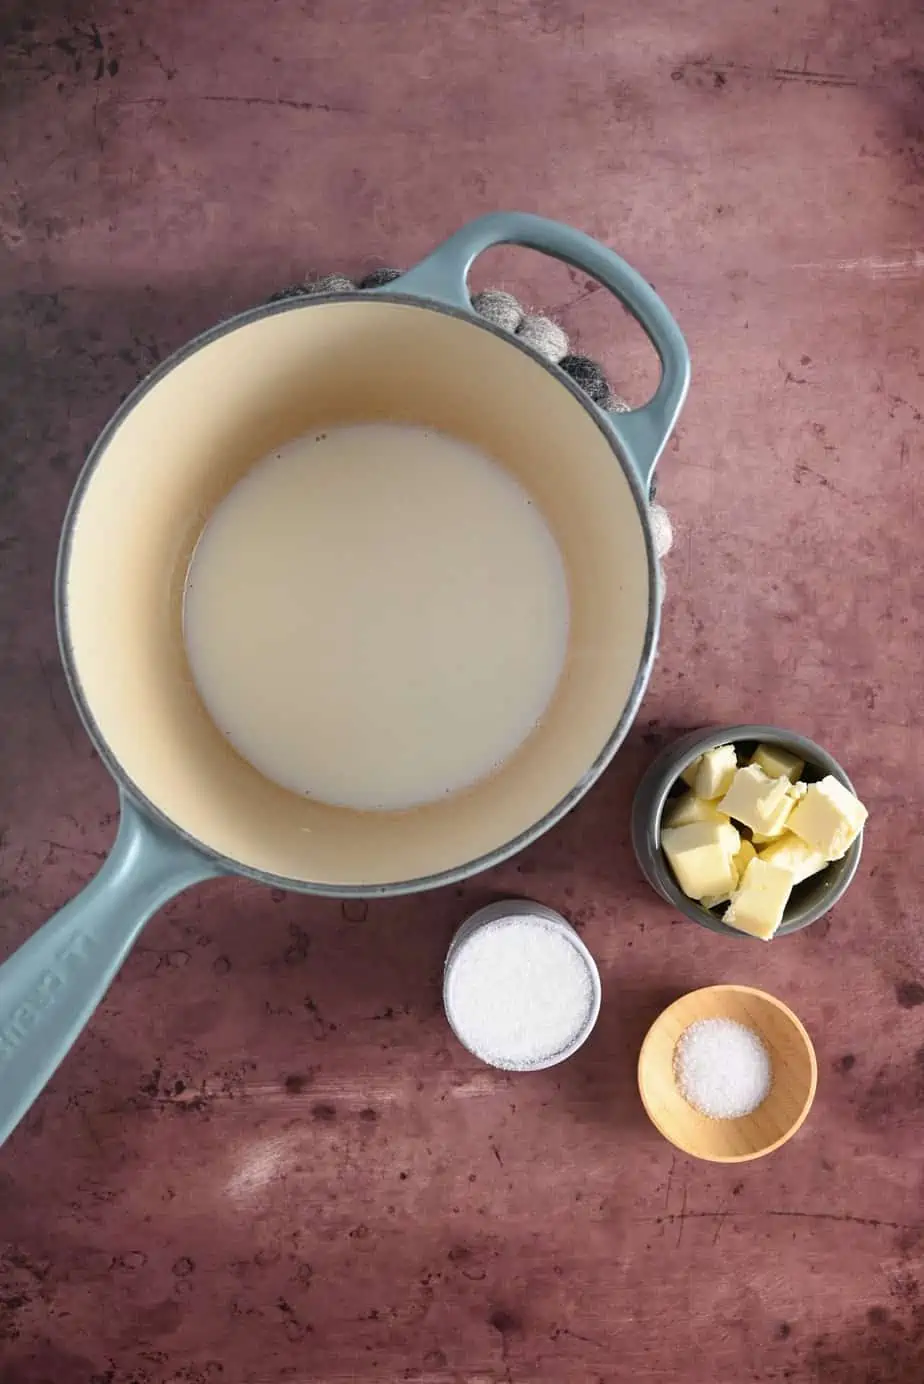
{"x":522,"y":908}
{"x":810,"y":900}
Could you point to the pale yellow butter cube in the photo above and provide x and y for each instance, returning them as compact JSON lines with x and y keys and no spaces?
{"x":759,"y":902}
{"x":689,"y":773}
{"x":741,"y":860}
{"x":743,"y":856}
{"x":781,"y":819}
{"x":700,"y":856}
{"x":722,"y":832}
{"x":715,"y":772}
{"x":829,"y":818}
{"x":729,"y":838}
{"x":776,"y":817}
{"x":761,"y":803}
{"x":777,"y":762}
{"x":792,"y":854}
{"x":680,"y":812}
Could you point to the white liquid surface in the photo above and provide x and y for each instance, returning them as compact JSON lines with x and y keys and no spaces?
{"x":376,"y":616}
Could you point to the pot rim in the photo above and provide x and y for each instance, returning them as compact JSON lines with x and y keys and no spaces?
{"x":455,"y":873}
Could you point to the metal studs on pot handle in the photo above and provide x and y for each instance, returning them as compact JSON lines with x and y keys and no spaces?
{"x":443,"y":275}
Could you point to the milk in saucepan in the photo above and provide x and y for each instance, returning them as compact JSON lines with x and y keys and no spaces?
{"x":376,"y":616}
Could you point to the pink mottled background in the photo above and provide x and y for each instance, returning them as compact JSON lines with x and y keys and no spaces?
{"x":266,"y":1160}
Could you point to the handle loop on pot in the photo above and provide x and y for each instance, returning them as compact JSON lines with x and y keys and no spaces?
{"x":52,"y":984}
{"x":442,"y":278}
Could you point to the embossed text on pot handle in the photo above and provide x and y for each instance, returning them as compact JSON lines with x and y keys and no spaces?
{"x":52,"y":984}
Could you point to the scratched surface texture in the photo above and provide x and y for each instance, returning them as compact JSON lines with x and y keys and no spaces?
{"x":266,"y":1160}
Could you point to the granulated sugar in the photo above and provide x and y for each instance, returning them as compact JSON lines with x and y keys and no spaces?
{"x":722,"y":1068}
{"x":518,"y":992}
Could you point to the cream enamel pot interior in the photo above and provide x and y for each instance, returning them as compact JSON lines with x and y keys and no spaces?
{"x":191,"y":808}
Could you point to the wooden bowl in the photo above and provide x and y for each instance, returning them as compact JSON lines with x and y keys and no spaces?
{"x":795,"y":1076}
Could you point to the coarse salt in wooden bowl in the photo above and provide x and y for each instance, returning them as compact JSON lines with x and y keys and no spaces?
{"x":776,"y":1119}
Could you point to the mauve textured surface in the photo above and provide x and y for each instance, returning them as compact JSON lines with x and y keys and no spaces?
{"x":266,"y":1160}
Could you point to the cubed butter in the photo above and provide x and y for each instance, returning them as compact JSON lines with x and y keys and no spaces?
{"x":700,"y":856}
{"x":680,"y":812}
{"x":781,"y":820}
{"x":689,"y":773}
{"x":723,"y":832}
{"x":777,"y":762}
{"x":776,"y":817}
{"x":792,"y":854}
{"x":759,"y":802}
{"x":715,"y":772}
{"x":744,"y":855}
{"x":829,"y":818}
{"x":759,"y":902}
{"x":740,"y":861}
{"x":729,"y":838}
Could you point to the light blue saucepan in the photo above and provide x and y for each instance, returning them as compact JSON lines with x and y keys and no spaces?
{"x":192,"y":809}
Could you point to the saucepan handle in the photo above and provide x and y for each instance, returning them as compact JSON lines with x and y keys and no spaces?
{"x":50,"y":987}
{"x":442,"y":278}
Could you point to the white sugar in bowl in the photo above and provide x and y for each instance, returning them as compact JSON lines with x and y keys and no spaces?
{"x":520,"y":989}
